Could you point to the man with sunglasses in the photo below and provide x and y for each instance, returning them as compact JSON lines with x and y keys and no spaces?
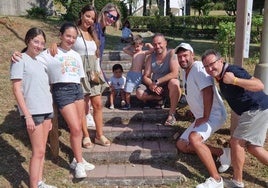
{"x":208,"y":109}
{"x":244,"y":94}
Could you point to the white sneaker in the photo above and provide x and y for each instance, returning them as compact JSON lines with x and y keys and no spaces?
{"x":111,"y":107}
{"x":90,"y":121}
{"x":225,"y":160}
{"x":80,"y":171}
{"x":87,"y":166}
{"x":233,"y":183}
{"x":211,"y":183}
{"x":43,"y":185}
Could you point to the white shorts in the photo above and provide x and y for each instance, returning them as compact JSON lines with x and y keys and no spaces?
{"x":205,"y":129}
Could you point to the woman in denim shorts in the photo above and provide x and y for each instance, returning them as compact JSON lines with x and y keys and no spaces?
{"x":65,"y":72}
{"x":30,"y":82}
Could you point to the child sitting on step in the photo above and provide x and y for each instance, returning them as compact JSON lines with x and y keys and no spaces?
{"x":134,"y":75}
{"x":117,"y":84}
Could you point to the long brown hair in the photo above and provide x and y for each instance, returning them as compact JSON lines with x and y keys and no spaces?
{"x":91,"y":30}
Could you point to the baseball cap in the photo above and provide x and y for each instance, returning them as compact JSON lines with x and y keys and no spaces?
{"x":185,"y":46}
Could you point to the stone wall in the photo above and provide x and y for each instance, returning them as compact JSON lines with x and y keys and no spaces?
{"x":19,"y":7}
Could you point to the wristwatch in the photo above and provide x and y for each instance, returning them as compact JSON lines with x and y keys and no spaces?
{"x":156,"y":82}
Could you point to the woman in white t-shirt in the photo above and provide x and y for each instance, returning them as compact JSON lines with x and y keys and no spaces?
{"x":65,"y":72}
{"x":32,"y":92}
{"x":88,"y":46}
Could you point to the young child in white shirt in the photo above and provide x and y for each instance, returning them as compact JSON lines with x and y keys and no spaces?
{"x":117,"y":83}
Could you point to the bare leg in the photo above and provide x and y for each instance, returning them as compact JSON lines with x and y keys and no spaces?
{"x":174,"y":94}
{"x":73,"y":115}
{"x":196,"y":145}
{"x":259,"y":152}
{"x":238,"y":157}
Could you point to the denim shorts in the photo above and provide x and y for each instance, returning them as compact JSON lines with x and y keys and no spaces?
{"x":40,"y":118}
{"x":66,"y":93}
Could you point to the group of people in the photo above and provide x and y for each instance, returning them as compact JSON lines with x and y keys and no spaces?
{"x":63,"y":71}
{"x":123,"y":86}
{"x":63,"y":75}
{"x":243,"y":92}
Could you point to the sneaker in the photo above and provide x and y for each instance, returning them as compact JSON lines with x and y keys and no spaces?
{"x":123,"y":103}
{"x":211,"y":183}
{"x":43,"y":185}
{"x":126,"y":107}
{"x":80,"y":171}
{"x":88,"y":166}
{"x":90,"y":121}
{"x":233,"y":183}
{"x":225,"y":160}
{"x":111,"y":107}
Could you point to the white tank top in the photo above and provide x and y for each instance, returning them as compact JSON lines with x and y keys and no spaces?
{"x":79,"y":46}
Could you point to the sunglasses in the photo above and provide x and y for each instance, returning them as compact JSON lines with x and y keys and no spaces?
{"x":109,"y":15}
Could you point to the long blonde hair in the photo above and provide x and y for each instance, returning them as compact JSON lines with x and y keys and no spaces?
{"x":107,"y":8}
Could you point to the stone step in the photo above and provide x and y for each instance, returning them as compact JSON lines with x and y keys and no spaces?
{"x":133,"y":175}
{"x":107,"y":66}
{"x":132,"y":151}
{"x":134,"y":115}
{"x":123,"y":132}
{"x":115,"y":56}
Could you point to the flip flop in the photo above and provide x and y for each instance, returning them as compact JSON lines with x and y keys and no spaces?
{"x":102,"y":141}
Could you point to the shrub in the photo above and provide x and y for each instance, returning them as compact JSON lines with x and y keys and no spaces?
{"x":37,"y":12}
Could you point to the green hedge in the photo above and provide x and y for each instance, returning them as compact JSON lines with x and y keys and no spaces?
{"x":195,"y":27}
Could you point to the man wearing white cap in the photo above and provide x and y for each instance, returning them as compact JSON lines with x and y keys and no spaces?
{"x":160,"y":77}
{"x":209,"y":112}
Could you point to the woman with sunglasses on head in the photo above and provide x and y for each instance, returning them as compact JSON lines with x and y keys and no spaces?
{"x":30,"y":82}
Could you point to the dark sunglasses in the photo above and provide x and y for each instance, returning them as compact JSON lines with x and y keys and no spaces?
{"x":109,"y":15}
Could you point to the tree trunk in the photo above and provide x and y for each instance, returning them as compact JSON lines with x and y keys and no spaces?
{"x":144,"y":8}
{"x":168,"y":10}
{"x":161,"y":5}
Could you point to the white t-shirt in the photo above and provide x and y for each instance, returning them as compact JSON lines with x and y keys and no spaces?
{"x":117,"y":83}
{"x":197,"y":80}
{"x":64,"y":67}
{"x":35,"y":87}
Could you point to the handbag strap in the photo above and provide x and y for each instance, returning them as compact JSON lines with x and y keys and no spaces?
{"x":84,"y":42}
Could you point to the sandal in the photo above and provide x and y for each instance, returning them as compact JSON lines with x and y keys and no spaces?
{"x":86,"y":143}
{"x":102,"y":141}
{"x":171,"y":120}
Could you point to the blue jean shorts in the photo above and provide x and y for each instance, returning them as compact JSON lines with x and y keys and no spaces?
{"x":40,"y":118}
{"x":66,"y":93}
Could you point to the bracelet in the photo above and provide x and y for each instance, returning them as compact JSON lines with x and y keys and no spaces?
{"x":235,"y":81}
{"x":27,"y":117}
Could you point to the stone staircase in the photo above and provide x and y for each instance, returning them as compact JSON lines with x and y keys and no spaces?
{"x":142,"y":152}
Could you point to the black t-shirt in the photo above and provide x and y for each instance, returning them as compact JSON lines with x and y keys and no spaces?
{"x":239,"y":99}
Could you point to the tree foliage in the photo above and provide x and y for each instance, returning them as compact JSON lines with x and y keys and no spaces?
{"x":226,"y":38}
{"x":202,"y":6}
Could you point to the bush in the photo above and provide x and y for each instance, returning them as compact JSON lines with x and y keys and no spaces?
{"x":37,"y":12}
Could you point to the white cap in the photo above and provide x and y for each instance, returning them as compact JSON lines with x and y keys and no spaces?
{"x":185,"y":46}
